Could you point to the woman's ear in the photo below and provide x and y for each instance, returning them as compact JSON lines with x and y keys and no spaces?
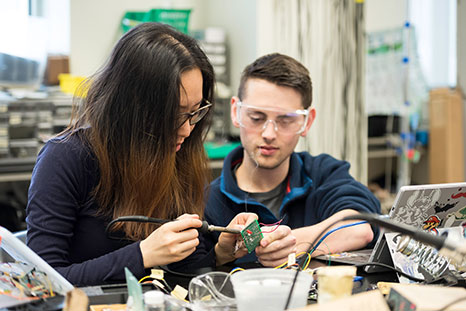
{"x":234,"y":111}
{"x":310,"y":120}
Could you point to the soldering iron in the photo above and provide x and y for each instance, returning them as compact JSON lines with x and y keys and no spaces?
{"x":206,"y":227}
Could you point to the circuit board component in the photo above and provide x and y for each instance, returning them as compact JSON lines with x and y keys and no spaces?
{"x":252,"y":235}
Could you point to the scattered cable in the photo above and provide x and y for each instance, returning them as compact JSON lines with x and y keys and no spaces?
{"x":391,"y":268}
{"x":286,"y":262}
{"x":311,"y":249}
{"x":333,"y":230}
{"x":275,"y":223}
{"x":270,"y":230}
{"x":328,"y":248}
{"x":137,"y":218}
{"x":145,"y":278}
{"x":188,"y":275}
{"x":236,"y":270}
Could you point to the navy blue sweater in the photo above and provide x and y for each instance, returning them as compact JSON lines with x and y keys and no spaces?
{"x":61,"y":217}
{"x":317,"y":188}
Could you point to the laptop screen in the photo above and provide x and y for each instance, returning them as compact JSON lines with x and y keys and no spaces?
{"x":429,"y":207}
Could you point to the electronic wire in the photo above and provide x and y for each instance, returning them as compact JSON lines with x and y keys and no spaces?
{"x":135,"y":218}
{"x":391,"y":268}
{"x":361,"y":265}
{"x":286,"y":262}
{"x":236,"y":270}
{"x":333,"y":230}
{"x":310,"y":249}
{"x":165,"y":284}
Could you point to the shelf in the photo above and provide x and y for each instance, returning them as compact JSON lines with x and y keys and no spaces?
{"x":382,"y":153}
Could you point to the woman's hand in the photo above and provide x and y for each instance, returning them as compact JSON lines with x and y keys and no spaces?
{"x":275,"y":247}
{"x":171,"y":242}
{"x":226,"y":247}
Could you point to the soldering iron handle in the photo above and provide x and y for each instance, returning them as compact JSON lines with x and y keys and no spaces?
{"x":204,"y":228}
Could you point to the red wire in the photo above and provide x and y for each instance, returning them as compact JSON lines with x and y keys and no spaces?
{"x":274,"y":224}
{"x":270,"y":230}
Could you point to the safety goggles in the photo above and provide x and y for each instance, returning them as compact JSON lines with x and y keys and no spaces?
{"x":257,"y":119}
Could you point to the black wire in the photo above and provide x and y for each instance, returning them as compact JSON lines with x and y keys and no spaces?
{"x":318,"y":237}
{"x":452,"y":303}
{"x":391,"y":268}
{"x":304,"y":258}
{"x":167,"y":270}
{"x":145,"y":219}
{"x":137,"y":218}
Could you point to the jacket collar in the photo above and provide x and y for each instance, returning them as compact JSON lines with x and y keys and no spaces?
{"x":299,"y":181}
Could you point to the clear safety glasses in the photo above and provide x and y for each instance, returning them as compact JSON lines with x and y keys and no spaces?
{"x":286,"y":122}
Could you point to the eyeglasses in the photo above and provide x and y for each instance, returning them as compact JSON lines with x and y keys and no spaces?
{"x":195,"y":116}
{"x":287,"y":122}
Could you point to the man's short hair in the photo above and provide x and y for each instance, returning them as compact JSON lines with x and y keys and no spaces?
{"x":281,"y":70}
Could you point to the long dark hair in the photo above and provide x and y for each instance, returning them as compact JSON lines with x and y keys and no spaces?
{"x":131,"y":109}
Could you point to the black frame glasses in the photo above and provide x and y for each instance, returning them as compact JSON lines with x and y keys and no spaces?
{"x":195,"y":116}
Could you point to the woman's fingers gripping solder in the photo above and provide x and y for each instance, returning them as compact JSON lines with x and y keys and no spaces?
{"x":171,"y":242}
{"x":275,"y":247}
{"x":228,"y":247}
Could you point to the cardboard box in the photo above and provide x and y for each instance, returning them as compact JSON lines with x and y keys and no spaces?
{"x":446,"y":142}
{"x":56,"y":64}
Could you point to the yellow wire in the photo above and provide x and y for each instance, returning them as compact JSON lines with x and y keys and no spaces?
{"x":236,"y":270}
{"x":144,"y":278}
{"x":280,"y":266}
{"x":50,"y":285}
{"x":286,"y":262}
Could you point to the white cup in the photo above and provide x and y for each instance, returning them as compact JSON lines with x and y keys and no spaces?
{"x":267,"y":289}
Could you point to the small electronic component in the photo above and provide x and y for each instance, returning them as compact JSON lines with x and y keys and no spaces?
{"x":252,"y":235}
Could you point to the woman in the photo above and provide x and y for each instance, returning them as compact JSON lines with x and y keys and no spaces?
{"x":134,"y":147}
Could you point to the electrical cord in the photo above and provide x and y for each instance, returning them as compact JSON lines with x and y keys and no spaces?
{"x":336,"y":229}
{"x":205,"y":228}
{"x":379,"y":264}
{"x":145,"y":219}
{"x":137,"y":218}
{"x":302,"y":260}
{"x":354,"y":217}
{"x":169,"y":271}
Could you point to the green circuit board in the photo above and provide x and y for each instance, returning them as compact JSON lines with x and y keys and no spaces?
{"x":252,"y":235}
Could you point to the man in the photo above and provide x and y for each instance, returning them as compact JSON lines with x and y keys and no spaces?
{"x":266,"y":177}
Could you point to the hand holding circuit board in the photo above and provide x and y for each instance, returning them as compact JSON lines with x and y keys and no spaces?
{"x":272,"y":245}
{"x":252,"y":235}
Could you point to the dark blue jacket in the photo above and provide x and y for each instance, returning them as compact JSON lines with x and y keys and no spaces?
{"x":62,"y":221}
{"x":317,"y":188}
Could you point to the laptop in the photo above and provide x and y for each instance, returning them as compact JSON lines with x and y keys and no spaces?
{"x":429,"y":207}
{"x":24,"y":255}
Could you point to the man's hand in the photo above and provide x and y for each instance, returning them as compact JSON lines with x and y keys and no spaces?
{"x":275,"y":247}
{"x":225,"y":249}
